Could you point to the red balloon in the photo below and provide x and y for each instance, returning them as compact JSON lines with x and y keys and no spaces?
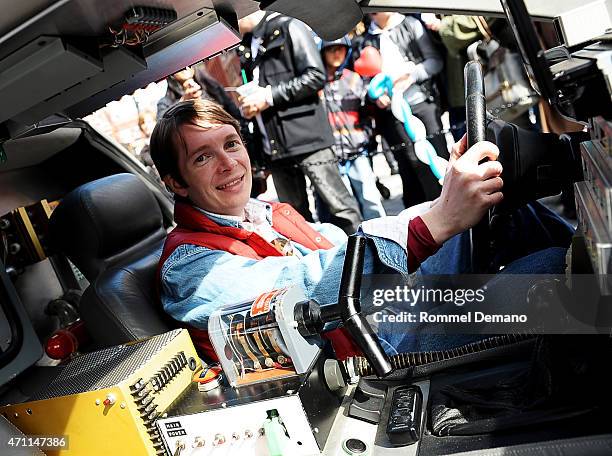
{"x":369,"y":63}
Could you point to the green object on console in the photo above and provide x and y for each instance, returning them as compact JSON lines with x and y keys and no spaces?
{"x":276,"y":436}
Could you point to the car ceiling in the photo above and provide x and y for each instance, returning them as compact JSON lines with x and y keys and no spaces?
{"x":51,"y":60}
{"x":538,"y":9}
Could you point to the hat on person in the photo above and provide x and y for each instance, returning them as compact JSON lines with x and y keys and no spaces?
{"x":344,"y":41}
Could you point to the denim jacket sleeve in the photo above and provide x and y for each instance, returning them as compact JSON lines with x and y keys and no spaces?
{"x":197,"y":280}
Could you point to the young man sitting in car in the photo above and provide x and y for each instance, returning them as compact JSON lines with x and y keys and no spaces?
{"x":228,"y":248}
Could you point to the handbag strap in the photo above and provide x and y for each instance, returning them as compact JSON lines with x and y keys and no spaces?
{"x":497,"y":58}
{"x":483,"y":28}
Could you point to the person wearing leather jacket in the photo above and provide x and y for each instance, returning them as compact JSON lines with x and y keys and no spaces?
{"x":410,"y":58}
{"x":195,"y":82}
{"x":279,"y":53}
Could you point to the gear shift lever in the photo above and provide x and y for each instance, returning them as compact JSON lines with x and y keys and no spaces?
{"x":349,"y":302}
{"x":311,"y":318}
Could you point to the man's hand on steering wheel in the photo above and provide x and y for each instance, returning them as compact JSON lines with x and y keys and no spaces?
{"x":470,"y":189}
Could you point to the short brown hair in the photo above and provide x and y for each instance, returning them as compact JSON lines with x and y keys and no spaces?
{"x":166,"y":139}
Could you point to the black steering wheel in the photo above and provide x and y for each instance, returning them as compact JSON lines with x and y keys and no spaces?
{"x":476,"y":124}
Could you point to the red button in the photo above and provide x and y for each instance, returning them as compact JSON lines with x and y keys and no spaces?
{"x":61,"y":345}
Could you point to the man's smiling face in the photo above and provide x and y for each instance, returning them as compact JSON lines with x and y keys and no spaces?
{"x":215,"y":168}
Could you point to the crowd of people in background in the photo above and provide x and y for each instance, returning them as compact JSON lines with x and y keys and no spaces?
{"x":317,"y":109}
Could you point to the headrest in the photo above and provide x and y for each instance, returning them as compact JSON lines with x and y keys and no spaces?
{"x":105,"y":222}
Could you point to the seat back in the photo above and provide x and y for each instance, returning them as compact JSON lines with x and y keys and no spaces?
{"x":122,"y":303}
{"x":112,"y":230}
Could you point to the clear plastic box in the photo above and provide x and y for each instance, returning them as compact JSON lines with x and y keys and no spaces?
{"x":258,"y":340}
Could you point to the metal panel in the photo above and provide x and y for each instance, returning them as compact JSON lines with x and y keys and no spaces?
{"x":340,"y":15}
{"x":196,"y":34}
{"x":204,"y":38}
{"x":105,"y":368}
{"x":46,"y":59}
{"x":124,"y":424}
{"x":346,"y":427}
{"x":119,"y":66}
{"x":239,"y":429}
{"x":25,"y":20}
{"x":572,"y":23}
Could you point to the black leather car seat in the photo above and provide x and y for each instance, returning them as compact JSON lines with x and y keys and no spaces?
{"x":112,"y":230}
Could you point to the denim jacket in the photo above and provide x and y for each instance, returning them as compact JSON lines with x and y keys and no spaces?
{"x":197,"y":280}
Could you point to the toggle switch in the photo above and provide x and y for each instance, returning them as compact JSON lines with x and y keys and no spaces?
{"x":218,"y":440}
{"x":110,"y":400}
{"x":198,"y":442}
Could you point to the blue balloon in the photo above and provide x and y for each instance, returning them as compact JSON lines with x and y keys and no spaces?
{"x":379,"y":85}
{"x":382,"y":84}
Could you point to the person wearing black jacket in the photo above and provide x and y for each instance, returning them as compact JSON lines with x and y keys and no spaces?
{"x":194,"y":82}
{"x":410,"y":58}
{"x":279,"y":53}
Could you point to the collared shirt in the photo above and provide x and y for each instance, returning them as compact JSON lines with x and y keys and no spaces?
{"x":258,"y":219}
